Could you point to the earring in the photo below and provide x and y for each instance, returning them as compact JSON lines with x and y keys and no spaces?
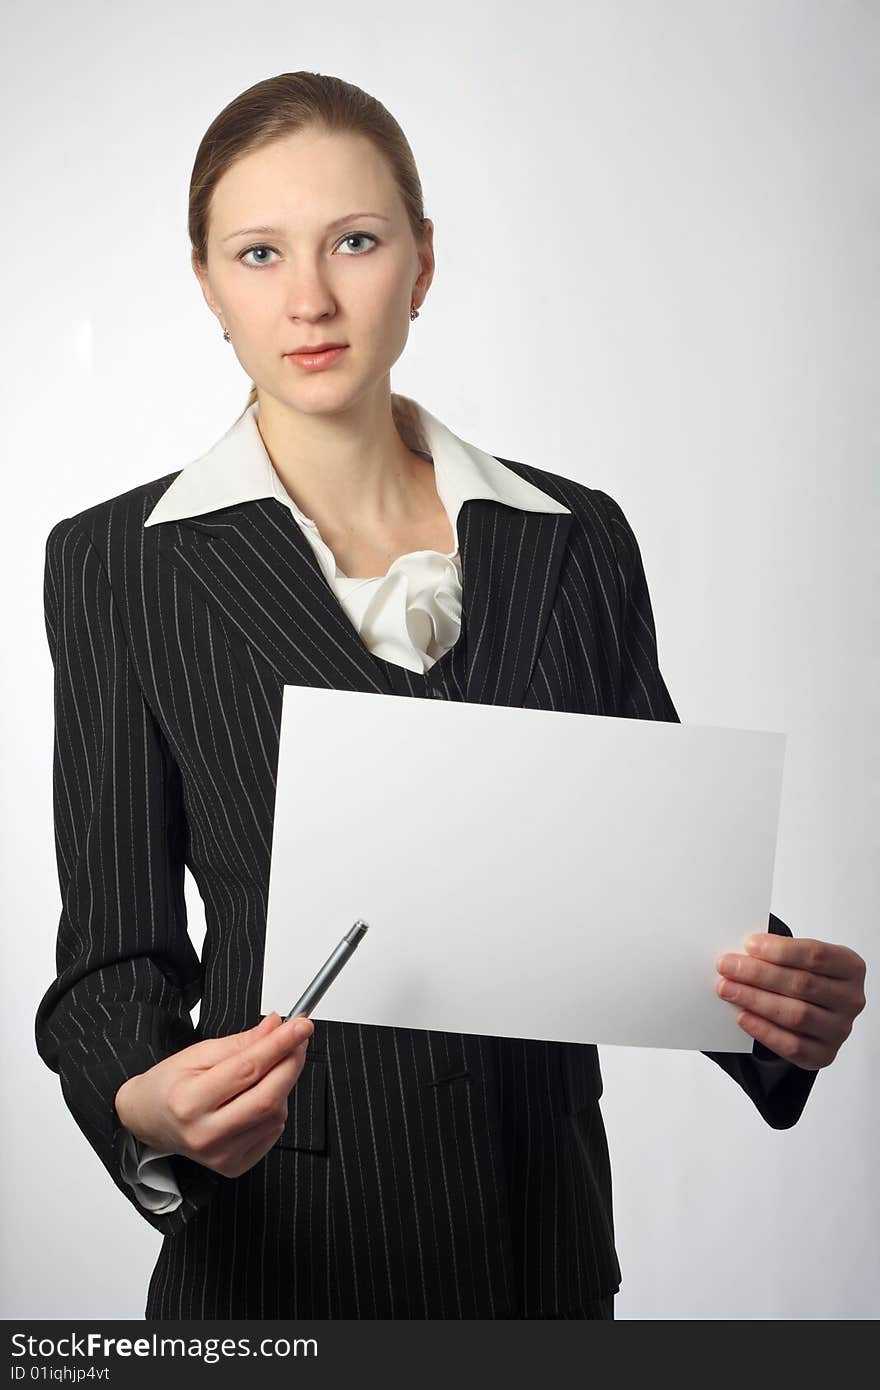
{"x":226,"y":336}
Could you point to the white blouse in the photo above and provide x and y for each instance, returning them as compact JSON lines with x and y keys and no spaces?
{"x":411,"y":615}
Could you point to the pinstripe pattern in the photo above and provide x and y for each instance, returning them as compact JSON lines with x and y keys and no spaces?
{"x":420,"y":1174}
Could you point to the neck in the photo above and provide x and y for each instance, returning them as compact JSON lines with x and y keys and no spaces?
{"x":351,"y":470}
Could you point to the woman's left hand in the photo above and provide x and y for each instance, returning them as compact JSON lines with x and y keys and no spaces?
{"x":799,"y":997}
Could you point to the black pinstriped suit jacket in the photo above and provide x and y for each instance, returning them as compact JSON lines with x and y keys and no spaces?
{"x":421,"y":1174}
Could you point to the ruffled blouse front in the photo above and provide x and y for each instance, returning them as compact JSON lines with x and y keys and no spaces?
{"x":410,"y":615}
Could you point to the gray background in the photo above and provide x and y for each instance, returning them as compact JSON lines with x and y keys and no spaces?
{"x":656,"y":233}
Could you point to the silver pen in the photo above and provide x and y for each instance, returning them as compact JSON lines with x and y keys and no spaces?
{"x":329,"y":970}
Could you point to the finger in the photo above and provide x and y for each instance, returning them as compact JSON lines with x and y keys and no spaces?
{"x":794,"y":1015}
{"x":786,"y":980}
{"x":804,"y":1052}
{"x":249,"y":1157}
{"x":210,"y":1051}
{"x":247,"y":1066}
{"x":249,"y":1111}
{"x":229,"y":1158}
{"x":803,"y":953}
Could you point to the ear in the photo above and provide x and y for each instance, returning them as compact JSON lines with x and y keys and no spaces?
{"x":201,"y":275}
{"x":426,"y":259}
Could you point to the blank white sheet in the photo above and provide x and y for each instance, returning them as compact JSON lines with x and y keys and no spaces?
{"x":524,"y":873}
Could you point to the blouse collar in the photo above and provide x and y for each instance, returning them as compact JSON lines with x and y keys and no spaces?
{"x":238,"y":469}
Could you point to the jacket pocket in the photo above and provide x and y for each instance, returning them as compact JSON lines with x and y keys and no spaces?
{"x":581,"y":1075}
{"x":306,"y":1126}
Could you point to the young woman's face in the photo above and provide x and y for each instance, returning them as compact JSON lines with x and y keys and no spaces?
{"x":308,"y":281}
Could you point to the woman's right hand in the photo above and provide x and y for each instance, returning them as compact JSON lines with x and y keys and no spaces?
{"x":222,"y":1101}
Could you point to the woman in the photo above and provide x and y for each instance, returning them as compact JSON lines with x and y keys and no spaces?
{"x":337,"y":536}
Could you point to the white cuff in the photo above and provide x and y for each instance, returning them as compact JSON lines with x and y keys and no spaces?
{"x":145,"y":1169}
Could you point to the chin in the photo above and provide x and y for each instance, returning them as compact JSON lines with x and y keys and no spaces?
{"x":312,"y":399}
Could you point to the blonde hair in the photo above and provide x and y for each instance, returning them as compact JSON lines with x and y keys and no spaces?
{"x":279,"y":106}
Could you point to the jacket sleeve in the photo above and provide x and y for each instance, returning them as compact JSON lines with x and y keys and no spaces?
{"x":127,"y":973}
{"x":777,"y":1087}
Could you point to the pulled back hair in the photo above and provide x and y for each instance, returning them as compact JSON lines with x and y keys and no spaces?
{"x":283,"y":105}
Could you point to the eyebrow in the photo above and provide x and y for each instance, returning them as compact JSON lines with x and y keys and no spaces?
{"x":276,"y":231}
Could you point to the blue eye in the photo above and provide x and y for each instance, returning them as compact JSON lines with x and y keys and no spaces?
{"x":351,"y":236}
{"x":242,"y":254}
{"x":359,"y":236}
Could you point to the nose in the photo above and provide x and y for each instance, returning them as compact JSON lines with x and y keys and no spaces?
{"x":308,"y":295}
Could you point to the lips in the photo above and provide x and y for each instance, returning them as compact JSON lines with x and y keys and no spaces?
{"x":310,"y":351}
{"x":318,"y":361}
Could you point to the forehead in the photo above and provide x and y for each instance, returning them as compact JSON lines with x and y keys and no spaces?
{"x":303,"y":181}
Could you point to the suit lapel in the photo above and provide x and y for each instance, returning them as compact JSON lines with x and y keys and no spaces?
{"x":252,"y":564}
{"x":511,"y":561}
